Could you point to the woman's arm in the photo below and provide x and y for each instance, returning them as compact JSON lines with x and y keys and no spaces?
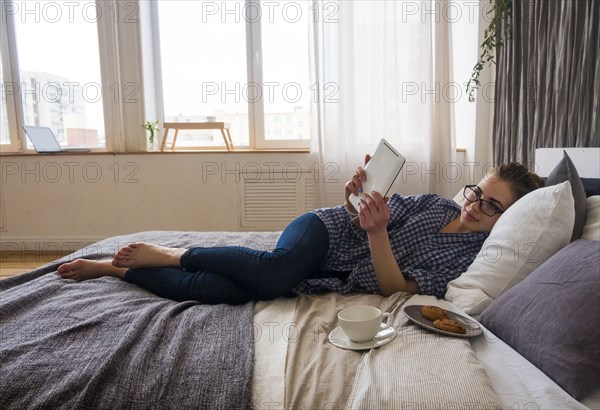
{"x":374,"y":216}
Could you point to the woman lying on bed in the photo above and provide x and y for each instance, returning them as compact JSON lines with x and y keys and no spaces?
{"x":415,"y":244}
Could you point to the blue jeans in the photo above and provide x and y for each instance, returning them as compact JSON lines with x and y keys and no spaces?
{"x":235,"y":274}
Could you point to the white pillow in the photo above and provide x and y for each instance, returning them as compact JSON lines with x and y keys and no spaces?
{"x":591,"y":229}
{"x":459,"y":198}
{"x":528,"y":233}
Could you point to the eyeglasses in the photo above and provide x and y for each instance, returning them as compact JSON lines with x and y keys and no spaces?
{"x":472,"y":194}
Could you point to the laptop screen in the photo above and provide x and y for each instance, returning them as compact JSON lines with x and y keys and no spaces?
{"x":42,"y":138}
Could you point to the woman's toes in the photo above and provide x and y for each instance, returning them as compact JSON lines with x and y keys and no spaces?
{"x":69,"y":266}
{"x":66,"y":274}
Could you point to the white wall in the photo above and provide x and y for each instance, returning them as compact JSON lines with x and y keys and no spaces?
{"x":63,"y":199}
{"x":68,"y":201}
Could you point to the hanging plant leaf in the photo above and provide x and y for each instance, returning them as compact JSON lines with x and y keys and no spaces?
{"x":493,"y":40}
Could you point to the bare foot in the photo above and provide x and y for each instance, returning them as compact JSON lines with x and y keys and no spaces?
{"x":84,"y":269}
{"x":146,"y":255}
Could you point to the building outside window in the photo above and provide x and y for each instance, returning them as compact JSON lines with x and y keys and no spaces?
{"x":59,"y":70}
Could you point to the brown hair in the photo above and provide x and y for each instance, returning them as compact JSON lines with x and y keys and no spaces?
{"x":521,"y":180}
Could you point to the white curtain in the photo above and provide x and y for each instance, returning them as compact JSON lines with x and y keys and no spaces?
{"x":384,"y":69}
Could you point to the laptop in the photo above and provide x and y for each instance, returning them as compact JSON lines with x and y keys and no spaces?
{"x":44,"y":141}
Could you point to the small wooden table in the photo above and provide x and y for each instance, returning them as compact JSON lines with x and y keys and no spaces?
{"x":222,"y":126}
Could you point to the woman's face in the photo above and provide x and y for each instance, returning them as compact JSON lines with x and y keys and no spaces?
{"x":498,"y":195}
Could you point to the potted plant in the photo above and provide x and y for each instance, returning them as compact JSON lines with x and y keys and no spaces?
{"x":151,"y":127}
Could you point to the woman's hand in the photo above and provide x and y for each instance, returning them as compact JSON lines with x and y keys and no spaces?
{"x":354,"y":186}
{"x":374,"y":213}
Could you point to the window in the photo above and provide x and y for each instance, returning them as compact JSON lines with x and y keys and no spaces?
{"x":203,"y":53}
{"x":241,"y":62}
{"x":57,"y":81}
{"x":284,"y":27}
{"x":95,"y":71}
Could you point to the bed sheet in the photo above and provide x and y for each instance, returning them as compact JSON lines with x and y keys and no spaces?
{"x":517,"y":383}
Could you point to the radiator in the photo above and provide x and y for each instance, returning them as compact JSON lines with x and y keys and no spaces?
{"x":270,"y":200}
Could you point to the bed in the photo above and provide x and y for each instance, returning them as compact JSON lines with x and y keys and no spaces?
{"x":105,"y":343}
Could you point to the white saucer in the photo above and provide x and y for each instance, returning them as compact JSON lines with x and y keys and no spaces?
{"x":338,"y":338}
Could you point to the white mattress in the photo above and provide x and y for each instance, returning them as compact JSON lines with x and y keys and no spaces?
{"x":517,"y":383}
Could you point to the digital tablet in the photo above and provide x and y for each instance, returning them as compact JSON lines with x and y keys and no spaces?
{"x":382,"y":170}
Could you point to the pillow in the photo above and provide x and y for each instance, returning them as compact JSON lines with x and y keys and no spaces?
{"x":552,"y":318}
{"x":529,"y":232}
{"x":591,"y":229}
{"x":591,"y":186}
{"x":565,"y":171}
{"x":459,"y":198}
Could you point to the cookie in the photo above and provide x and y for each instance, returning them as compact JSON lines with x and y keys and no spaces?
{"x":449,"y":325}
{"x":433,"y":313}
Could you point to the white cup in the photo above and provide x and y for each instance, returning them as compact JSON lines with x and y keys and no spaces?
{"x":362,"y":323}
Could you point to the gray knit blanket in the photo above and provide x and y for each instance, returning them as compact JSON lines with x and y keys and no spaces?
{"x":108,"y":344}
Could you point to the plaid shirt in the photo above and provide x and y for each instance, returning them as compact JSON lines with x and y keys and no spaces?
{"x":423,"y":254}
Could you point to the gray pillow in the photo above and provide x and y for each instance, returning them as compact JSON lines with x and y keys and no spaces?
{"x":552,"y":318}
{"x":565,"y":171}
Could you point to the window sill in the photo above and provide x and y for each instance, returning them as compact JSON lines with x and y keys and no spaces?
{"x":187,"y":151}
